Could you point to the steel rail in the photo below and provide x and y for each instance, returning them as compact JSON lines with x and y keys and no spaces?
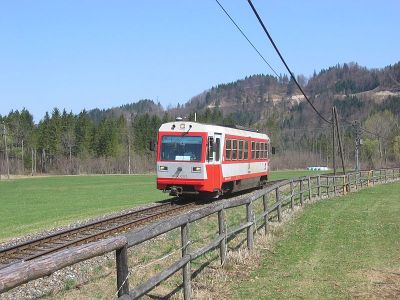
{"x":89,"y":232}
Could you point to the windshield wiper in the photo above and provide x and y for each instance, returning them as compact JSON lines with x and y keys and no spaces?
{"x":186,"y":132}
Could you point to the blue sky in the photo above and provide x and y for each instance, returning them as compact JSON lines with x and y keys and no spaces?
{"x":87,"y":54}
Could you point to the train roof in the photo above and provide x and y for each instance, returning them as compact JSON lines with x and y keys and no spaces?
{"x":183,"y":126}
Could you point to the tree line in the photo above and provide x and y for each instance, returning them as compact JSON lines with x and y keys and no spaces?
{"x":68,"y":143}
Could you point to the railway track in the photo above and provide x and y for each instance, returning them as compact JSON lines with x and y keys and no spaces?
{"x":90,"y":232}
{"x":97,"y":230}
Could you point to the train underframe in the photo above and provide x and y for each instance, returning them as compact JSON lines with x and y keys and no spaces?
{"x":228,"y":187}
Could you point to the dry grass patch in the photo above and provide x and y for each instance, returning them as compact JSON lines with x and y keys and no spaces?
{"x":377,"y":284}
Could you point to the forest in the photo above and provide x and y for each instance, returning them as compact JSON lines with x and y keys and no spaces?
{"x":116,"y":140}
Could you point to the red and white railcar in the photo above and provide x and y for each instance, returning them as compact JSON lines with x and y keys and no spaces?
{"x":197,"y":158}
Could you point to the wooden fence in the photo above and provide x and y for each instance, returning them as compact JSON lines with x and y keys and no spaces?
{"x":285,"y":195}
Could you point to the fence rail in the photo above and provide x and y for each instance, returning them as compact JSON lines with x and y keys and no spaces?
{"x":274,"y":199}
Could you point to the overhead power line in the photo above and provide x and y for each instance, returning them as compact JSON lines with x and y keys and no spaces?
{"x":284,"y":62}
{"x":248,"y":40}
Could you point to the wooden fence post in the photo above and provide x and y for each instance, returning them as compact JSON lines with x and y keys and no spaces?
{"x":121,"y":257}
{"x":344,"y":185}
{"x":349,"y":182}
{"x":355,"y":181}
{"x":291,"y":195}
{"x":278,"y":200}
{"x":301,"y":192}
{"x":373,"y":177}
{"x":186,"y":268}
{"x":319,"y":186}
{"x":265,"y":204}
{"x":222,"y":233}
{"x":334,"y":185}
{"x":369,"y":179}
{"x":327,"y":186}
{"x":309,"y":187}
{"x":250,"y":233}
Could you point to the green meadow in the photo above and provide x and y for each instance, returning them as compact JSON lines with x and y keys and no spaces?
{"x":344,"y":248}
{"x":33,"y":204}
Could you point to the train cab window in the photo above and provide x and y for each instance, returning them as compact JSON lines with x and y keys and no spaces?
{"x":246,"y":150}
{"x":181,"y":148}
{"x":257,"y":150}
{"x":234,"y":149}
{"x":253,"y":150}
{"x":266,"y":151}
{"x":228,"y":149}
{"x":240,"y":153}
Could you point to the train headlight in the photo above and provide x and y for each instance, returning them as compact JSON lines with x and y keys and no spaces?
{"x":196,"y":169}
{"x":163,"y":168}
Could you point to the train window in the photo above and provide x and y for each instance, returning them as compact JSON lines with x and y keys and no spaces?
{"x":217,"y":150}
{"x":181,"y":148}
{"x":234,"y":149}
{"x":253,"y":150}
{"x":228,"y":149}
{"x":258,"y":150}
{"x":246,"y":150}
{"x":240,"y":156}
{"x":265,"y":150}
{"x":210,"y":153}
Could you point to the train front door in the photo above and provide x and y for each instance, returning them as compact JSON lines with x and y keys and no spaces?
{"x":214,"y":157}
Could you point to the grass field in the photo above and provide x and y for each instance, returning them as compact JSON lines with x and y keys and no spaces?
{"x":348,"y":247}
{"x":29,"y":205}
{"x":34,"y":204}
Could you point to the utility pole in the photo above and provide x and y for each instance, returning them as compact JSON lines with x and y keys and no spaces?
{"x":35,"y":157}
{"x":5,"y":143}
{"x":23,"y":165}
{"x":129,"y":155}
{"x":32,"y":161}
{"x":333,"y":142}
{"x":340,"y":140}
{"x":357,"y":130}
{"x":129,"y":123}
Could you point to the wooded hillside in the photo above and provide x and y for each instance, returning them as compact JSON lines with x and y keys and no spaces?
{"x":116,"y":140}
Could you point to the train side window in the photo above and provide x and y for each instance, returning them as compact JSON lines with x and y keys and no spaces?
{"x":258,"y":150}
{"x":246,"y":150}
{"x":240,"y":156}
{"x":234,"y":149}
{"x":262,"y":145}
{"x":266,"y":150}
{"x":210,"y":154}
{"x":228,"y":150}
{"x":253,"y":150}
{"x":217,"y":150}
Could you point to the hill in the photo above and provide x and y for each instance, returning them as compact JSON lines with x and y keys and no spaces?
{"x":128,"y":110}
{"x":99,"y":141}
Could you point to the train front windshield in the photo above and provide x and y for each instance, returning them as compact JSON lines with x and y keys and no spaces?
{"x":178,"y":148}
